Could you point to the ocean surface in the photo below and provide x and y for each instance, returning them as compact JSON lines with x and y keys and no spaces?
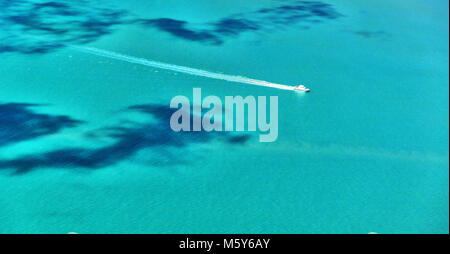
{"x":86,"y":147}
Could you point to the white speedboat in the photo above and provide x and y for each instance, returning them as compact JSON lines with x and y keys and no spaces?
{"x":301,"y":88}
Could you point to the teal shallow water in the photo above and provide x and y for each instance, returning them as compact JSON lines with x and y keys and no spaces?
{"x":366,"y":150}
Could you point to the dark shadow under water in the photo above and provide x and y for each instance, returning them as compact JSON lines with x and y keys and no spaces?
{"x":18,"y":122}
{"x":127,"y":139}
{"x":30,"y":27}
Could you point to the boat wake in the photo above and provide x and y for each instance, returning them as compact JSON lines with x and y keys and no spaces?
{"x":178,"y":68}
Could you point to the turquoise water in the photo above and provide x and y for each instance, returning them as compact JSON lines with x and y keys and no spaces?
{"x":365,"y":151}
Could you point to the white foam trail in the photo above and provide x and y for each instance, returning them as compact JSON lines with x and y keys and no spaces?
{"x":177,"y":68}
